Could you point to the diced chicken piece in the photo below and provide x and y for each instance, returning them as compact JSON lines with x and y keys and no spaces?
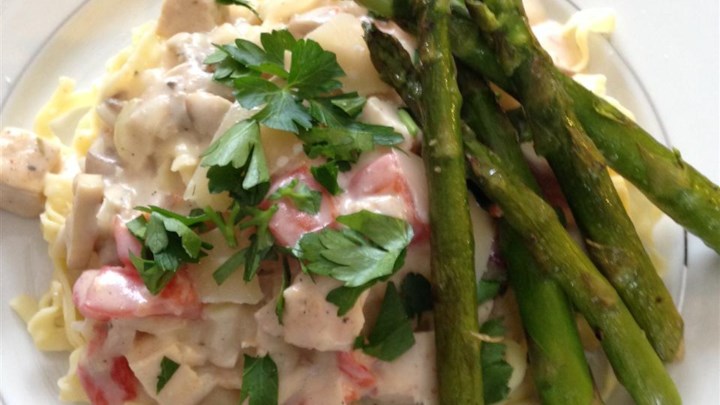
{"x":226,"y":329}
{"x":412,"y":377}
{"x":267,"y":320}
{"x":188,"y":16}
{"x":221,"y":396}
{"x":301,"y":24}
{"x":81,"y":226}
{"x":144,"y":123}
{"x":283,"y":151}
{"x":24,"y":161}
{"x":117,"y":292}
{"x":184,"y":387}
{"x":383,"y":112}
{"x":316,"y":382}
{"x":234,"y":289}
{"x":228,"y":378}
{"x":289,"y":223}
{"x":343,"y":35}
{"x":206,"y":112}
{"x":305,"y":304}
{"x":390,"y":183}
{"x":280,"y":11}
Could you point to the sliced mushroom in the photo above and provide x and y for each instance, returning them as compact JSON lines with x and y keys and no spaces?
{"x":206,"y":112}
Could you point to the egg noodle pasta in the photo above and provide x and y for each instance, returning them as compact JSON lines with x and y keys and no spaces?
{"x":157,"y":107}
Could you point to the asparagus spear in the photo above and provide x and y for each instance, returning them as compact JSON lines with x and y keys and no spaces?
{"x":612,"y":240}
{"x":451,"y":239}
{"x":631,"y":355}
{"x":672,"y":184}
{"x":677,"y":188}
{"x":635,"y":363}
{"x":557,"y":359}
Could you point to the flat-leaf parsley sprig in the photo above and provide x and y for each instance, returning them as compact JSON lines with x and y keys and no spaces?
{"x":304,"y":99}
{"x":169,"y":240}
{"x":370,"y":248}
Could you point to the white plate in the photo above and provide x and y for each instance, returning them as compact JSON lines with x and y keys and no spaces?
{"x":672,"y":48}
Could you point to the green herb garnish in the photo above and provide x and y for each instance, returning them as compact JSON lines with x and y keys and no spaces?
{"x":259,"y":381}
{"x":392,"y":334}
{"x":167,"y":369}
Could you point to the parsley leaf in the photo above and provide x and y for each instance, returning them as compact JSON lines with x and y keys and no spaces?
{"x":351,"y":103}
{"x":236,"y":162}
{"x":496,"y":371}
{"x":487,"y":290}
{"x":372,"y":246}
{"x":392,"y":334}
{"x":298,"y":100}
{"x":259,"y":381}
{"x":313,"y":70}
{"x":331,"y":115}
{"x":326,"y":174}
{"x":416,"y":293}
{"x":337,"y":143}
{"x":229,"y":267}
{"x":169,"y":241}
{"x":282,"y":110}
{"x":261,"y":243}
{"x":280,"y":304}
{"x":227,"y":68}
{"x":345,"y":297}
{"x":167,"y":369}
{"x":304,"y":198}
{"x":275,"y":44}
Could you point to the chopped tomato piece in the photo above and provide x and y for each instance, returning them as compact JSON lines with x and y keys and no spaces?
{"x":125,"y":242}
{"x":289,"y":223}
{"x":358,"y":373}
{"x":118,"y":292}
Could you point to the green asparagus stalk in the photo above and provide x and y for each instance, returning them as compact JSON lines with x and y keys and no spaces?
{"x":612,"y":240}
{"x":632,"y":357}
{"x":557,"y":359}
{"x":451,"y":239}
{"x":661,"y":174}
{"x":672,"y":184}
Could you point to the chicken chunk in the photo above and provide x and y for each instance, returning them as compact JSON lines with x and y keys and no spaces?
{"x":24,"y":161}
{"x":188,"y":16}
{"x":305,"y":304}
